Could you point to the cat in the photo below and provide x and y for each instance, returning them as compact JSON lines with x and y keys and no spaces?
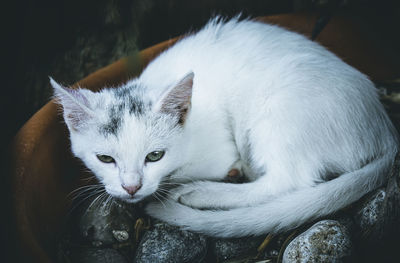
{"x":306,"y":129}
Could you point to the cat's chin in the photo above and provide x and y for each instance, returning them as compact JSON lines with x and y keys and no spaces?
{"x":124,"y":197}
{"x":131,"y":200}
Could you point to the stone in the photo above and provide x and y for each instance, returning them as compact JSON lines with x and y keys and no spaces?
{"x":105,"y":224}
{"x":165,"y":243}
{"x":231,"y":248}
{"x":94,"y":255}
{"x":120,"y":235}
{"x":367,"y":216}
{"x":378,"y":220}
{"x":325,"y":241}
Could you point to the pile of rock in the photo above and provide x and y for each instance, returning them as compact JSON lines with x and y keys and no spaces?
{"x":118,"y":232}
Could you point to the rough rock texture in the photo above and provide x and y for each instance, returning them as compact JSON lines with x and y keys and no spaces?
{"x":164,"y":243}
{"x":100,"y":231}
{"x":103,"y":224}
{"x":224,"y":249}
{"x":379,"y":235}
{"x":371,"y":224}
{"x":325,"y":241}
{"x":95,"y":255}
{"x":367,"y":216}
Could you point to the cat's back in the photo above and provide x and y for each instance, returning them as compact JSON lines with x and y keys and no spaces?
{"x":223,"y":49}
{"x":228,"y":54}
{"x":235,"y":57}
{"x":251,"y":73}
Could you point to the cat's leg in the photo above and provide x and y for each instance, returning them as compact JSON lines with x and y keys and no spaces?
{"x":190,"y":192}
{"x":282,"y":169}
{"x":220,"y":195}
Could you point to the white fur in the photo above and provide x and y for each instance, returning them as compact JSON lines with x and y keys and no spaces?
{"x":282,"y":108}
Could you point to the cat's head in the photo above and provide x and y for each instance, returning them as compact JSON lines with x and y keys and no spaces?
{"x":128,"y":138}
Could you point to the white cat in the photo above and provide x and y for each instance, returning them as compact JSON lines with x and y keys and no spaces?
{"x":306,"y":129}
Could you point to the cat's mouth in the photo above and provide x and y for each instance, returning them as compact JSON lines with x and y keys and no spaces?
{"x":131,"y":199}
{"x":126,"y":198}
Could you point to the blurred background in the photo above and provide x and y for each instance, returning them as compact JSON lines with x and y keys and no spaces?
{"x":69,"y":39}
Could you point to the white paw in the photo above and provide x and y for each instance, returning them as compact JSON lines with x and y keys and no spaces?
{"x":194,"y":199}
{"x":178,"y":192}
{"x":190,"y":195}
{"x":199,"y":195}
{"x":170,"y":212}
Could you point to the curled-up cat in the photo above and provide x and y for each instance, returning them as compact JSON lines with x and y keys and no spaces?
{"x":306,"y":129}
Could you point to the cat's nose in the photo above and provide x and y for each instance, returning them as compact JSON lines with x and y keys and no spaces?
{"x":131,"y":189}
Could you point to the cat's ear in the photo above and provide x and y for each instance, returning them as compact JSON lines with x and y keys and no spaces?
{"x":176,"y":100}
{"x":76,"y":107}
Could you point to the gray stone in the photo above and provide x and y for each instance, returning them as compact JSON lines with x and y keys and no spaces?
{"x":367,"y":216}
{"x":94,"y":255}
{"x":120,"y":235}
{"x":165,"y":243}
{"x":325,"y":241}
{"x":104,"y":224}
{"x":231,"y":248}
{"x":379,"y":220}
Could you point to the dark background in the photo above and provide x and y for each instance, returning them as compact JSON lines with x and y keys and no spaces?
{"x":69,"y":39}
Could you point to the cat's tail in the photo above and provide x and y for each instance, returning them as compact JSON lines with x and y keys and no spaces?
{"x":282,"y":213}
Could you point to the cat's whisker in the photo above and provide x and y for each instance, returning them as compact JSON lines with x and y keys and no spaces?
{"x":164,"y":190}
{"x":83,"y":189}
{"x":89,"y":178}
{"x":189,"y":179}
{"x":78,"y":200}
{"x":109,"y":202}
{"x":101,"y":202}
{"x":96,"y":200}
{"x":171,"y":183}
{"x":83,"y":192}
{"x":164,"y":193}
{"x":156,"y":195}
{"x":81,"y":201}
{"x":90,"y":195}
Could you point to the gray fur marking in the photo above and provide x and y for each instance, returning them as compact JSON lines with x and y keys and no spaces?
{"x":127,"y":102}
{"x":123,"y":92}
{"x":132,"y":101}
{"x":136,"y":106}
{"x":115,"y":114}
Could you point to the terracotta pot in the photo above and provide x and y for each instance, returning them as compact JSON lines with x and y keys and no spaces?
{"x":44,"y":171}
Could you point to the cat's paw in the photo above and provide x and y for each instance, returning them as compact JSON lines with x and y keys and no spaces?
{"x":182,"y":194}
{"x":169,"y":211}
{"x":194,"y":199}
{"x":199,"y":195}
{"x":235,"y":174}
{"x":175,"y":194}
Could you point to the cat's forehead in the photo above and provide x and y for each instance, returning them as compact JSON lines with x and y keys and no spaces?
{"x":127,"y":103}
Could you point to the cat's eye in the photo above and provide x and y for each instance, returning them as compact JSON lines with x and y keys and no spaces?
{"x":105,"y":158}
{"x":154,"y":156}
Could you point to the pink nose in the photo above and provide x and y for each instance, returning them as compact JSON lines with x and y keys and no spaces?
{"x":131,"y":189}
